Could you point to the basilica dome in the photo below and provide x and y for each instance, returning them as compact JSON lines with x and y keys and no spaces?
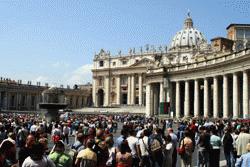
{"x":188,"y":37}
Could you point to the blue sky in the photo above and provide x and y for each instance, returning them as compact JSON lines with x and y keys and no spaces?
{"x":54,"y":41}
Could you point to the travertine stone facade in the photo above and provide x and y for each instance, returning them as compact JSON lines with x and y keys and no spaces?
{"x":195,"y":78}
{"x":26,"y":97}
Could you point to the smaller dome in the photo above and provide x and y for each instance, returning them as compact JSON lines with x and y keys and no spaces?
{"x":188,"y":37}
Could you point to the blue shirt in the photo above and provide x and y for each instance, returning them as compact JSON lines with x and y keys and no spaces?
{"x":119,"y":141}
{"x":243,"y":161}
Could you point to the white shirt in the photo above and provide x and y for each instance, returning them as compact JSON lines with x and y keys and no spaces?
{"x":33,"y":128}
{"x":132,"y":141}
{"x":143,"y":144}
{"x":45,"y":162}
{"x":65,"y":130}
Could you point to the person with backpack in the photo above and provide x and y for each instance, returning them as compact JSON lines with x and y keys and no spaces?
{"x":187,"y":144}
{"x":155,"y":147}
{"x":143,"y":149}
{"x":58,"y":156}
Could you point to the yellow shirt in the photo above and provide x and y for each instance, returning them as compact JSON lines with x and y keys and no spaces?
{"x":87,"y":154}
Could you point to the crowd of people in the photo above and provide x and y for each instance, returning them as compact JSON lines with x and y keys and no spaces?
{"x":27,"y":140}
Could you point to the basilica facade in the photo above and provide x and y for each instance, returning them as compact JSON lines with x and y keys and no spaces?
{"x":188,"y":78}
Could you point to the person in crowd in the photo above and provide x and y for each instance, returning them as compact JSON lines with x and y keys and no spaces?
{"x":227,"y":142}
{"x":37,"y":158}
{"x":187,"y":143}
{"x":44,"y":142}
{"x":123,"y":156}
{"x":143,"y":149}
{"x":78,"y":145}
{"x":22,"y":135}
{"x":123,"y":136}
{"x":33,"y":128}
{"x":242,"y":140}
{"x":87,"y":157}
{"x":8,"y":154}
{"x":56,"y":133}
{"x":215,"y":142}
{"x":244,"y":159}
{"x":58,"y":156}
{"x":174,"y":143}
{"x":66,"y":131}
{"x":155,"y":147}
{"x":168,"y":152}
{"x":132,"y":142}
{"x":25,"y":151}
{"x":111,"y":162}
{"x":203,"y":143}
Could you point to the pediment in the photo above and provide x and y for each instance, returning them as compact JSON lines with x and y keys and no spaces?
{"x":145,"y":62}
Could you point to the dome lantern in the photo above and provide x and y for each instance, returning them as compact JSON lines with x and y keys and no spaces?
{"x":187,"y":38}
{"x":188,"y":22}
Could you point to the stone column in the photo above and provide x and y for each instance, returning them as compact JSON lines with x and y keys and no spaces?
{"x":245,"y":95}
{"x":118,"y":90}
{"x":225,"y":96}
{"x":186,"y":101}
{"x":132,"y":102}
{"x":196,"y":98}
{"x":140,"y":89}
{"x":107,"y":91}
{"x":178,"y":100}
{"x":148,"y":100}
{"x":162,"y":92}
{"x":156,"y":100}
{"x":235,"y":96}
{"x":94,"y":92}
{"x":206,"y":97}
{"x":129,"y":90}
{"x":215,"y":98}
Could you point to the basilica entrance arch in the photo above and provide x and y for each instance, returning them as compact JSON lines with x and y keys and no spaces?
{"x":100,"y":97}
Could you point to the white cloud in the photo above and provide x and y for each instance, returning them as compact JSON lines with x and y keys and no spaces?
{"x":41,"y":79}
{"x":60,"y":64}
{"x":81,"y":75}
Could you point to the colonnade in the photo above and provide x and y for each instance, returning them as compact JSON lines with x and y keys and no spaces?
{"x":131,"y":91}
{"x":226,"y":88}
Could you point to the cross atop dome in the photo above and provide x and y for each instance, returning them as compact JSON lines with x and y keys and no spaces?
{"x":188,"y":21}
{"x":188,"y":14}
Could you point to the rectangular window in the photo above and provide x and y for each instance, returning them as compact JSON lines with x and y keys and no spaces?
{"x":33,"y":100}
{"x":247,"y":34}
{"x":12,"y":101}
{"x":114,"y":63}
{"x":101,"y":63}
{"x":240,"y":34}
{"x":124,"y":80}
{"x":124,"y":62}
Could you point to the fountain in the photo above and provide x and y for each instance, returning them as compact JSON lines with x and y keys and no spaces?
{"x":53,"y":99}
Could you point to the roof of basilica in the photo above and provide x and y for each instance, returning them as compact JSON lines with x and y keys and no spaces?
{"x":188,"y":37}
